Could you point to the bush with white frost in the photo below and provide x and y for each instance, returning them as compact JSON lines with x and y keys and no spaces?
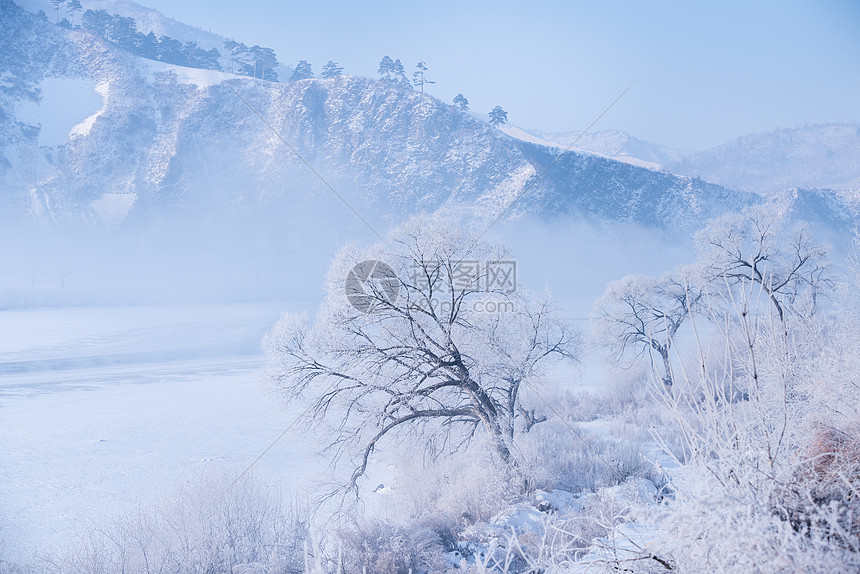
{"x":208,"y":526}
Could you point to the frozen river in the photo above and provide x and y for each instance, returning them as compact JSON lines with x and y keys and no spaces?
{"x":102,"y":410}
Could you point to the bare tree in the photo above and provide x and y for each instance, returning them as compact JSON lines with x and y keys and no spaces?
{"x":639,"y":315}
{"x":435,"y":339}
{"x":751,"y":248}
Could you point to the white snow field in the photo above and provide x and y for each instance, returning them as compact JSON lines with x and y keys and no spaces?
{"x":106,"y":409}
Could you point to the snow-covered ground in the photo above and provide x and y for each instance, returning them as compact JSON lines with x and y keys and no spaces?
{"x":105,"y":409}
{"x":67,"y":107}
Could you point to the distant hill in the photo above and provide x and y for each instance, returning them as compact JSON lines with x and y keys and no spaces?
{"x":819,"y":156}
{"x":814,"y":156}
{"x":616,"y":145}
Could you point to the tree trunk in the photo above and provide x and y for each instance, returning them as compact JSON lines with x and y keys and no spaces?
{"x":497,"y":436}
{"x":667,"y":367}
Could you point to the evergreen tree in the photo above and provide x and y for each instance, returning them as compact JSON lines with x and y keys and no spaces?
{"x":148,"y":46}
{"x":238,"y":55}
{"x":331,"y":70}
{"x":122,"y":31}
{"x":211,"y":60}
{"x":171,"y":51}
{"x":302,"y":72}
{"x":386,"y":67}
{"x":265,"y":63}
{"x":96,"y":21}
{"x":57,"y":4}
{"x":461,"y":102}
{"x":498,"y":116}
{"x":419,"y":76}
{"x":197,"y":57}
{"x":74,"y":7}
{"x":398,"y":73}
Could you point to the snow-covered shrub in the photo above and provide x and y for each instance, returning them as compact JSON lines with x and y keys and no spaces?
{"x":207,"y":526}
{"x":15,"y":568}
{"x":453,"y":489}
{"x":763,"y":490}
{"x":553,"y":532}
{"x":565,"y":456}
{"x":380,"y":547}
{"x":828,"y":477}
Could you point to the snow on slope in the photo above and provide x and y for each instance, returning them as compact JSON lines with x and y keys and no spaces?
{"x":614,"y":144}
{"x":83,"y":128}
{"x":146,"y":20}
{"x":523,"y":135}
{"x":66,"y":105}
{"x":197,"y":76}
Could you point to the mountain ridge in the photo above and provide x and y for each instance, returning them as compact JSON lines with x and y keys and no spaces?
{"x":173,"y":141}
{"x":813,"y":156}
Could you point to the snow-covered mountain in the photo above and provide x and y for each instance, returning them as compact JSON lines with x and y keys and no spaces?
{"x":145,"y":138}
{"x":814,"y":156}
{"x":819,"y":156}
{"x":617,"y":145}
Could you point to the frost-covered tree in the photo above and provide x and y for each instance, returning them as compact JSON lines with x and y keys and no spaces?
{"x":436,"y":344}
{"x":461,"y":102}
{"x":331,"y":70}
{"x":302,"y":71}
{"x":640,"y":315}
{"x":752,"y":249}
{"x":419,"y":76}
{"x":498,"y":116}
{"x":392,"y":71}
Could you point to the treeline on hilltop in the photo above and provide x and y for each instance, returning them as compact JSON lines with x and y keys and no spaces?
{"x":256,"y":61}
{"x":122,"y":31}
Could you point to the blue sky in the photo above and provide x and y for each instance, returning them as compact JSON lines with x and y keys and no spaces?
{"x":705,"y":71}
